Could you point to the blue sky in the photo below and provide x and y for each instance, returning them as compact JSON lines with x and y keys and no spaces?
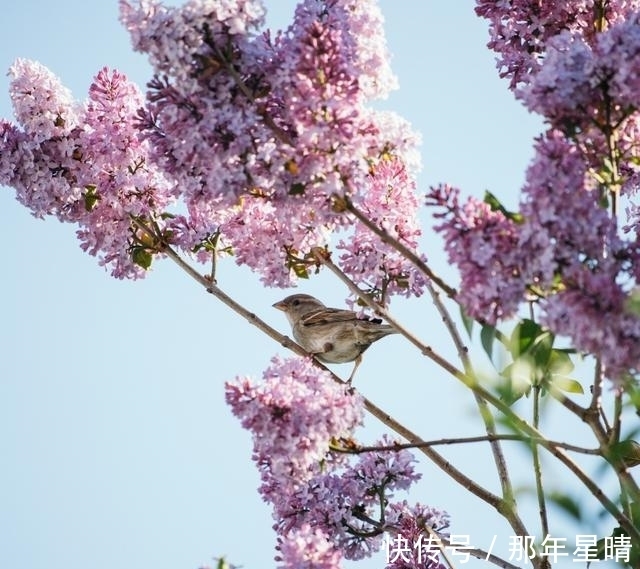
{"x":117,"y":447}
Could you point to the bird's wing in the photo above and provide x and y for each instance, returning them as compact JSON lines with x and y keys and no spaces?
{"x":327,"y":316}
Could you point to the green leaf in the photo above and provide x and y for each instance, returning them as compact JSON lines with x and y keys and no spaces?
{"x":296,"y":189}
{"x":566,"y":384}
{"x":487,"y":337}
{"x":519,"y":377}
{"x":632,"y":392}
{"x":627,"y":450}
{"x":537,"y":362}
{"x":606,"y":548}
{"x":523,"y":336}
{"x":542,"y":350}
{"x":566,"y":503}
{"x":492,"y":201}
{"x":300,"y":270}
{"x":467,"y":321}
{"x":495,"y":205}
{"x":560,"y":362}
{"x":603,"y":202}
{"x":91,"y":197}
{"x":141,"y":257}
{"x":530,"y":339}
{"x":632,"y":302}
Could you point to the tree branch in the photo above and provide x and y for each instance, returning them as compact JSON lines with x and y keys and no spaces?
{"x":385,"y":237}
{"x":376,"y":411}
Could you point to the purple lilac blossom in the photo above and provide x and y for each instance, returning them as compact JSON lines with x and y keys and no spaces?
{"x":579,"y":68}
{"x":284,"y":118}
{"x":244,"y":135}
{"x":391,"y":203}
{"x":84,"y":164}
{"x":294,"y":413}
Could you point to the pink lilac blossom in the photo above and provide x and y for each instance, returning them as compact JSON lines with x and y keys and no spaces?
{"x":562,"y":205}
{"x":36,"y":157}
{"x":618,"y":61}
{"x":346,"y":497}
{"x":577,"y":64}
{"x":409,"y":545}
{"x":114,"y":165}
{"x":293,"y":414}
{"x":483,"y":244}
{"x":365,"y":48}
{"x":592,"y":311}
{"x":563,"y":88}
{"x":570,"y":234}
{"x":307,"y":548}
{"x":632,"y":213}
{"x":90,"y":169}
{"x":520,"y":30}
{"x":338,"y":504}
{"x":41,"y":104}
{"x":566,"y":238}
{"x":172,"y":35}
{"x":391,"y":203}
{"x":283,"y":119}
{"x":254,"y":134}
{"x":578,"y":79}
{"x":39,"y":172}
{"x":264,"y":234}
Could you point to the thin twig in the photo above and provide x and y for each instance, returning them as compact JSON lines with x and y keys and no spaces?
{"x":371,"y":407}
{"x":214,"y":255}
{"x":466,"y":440}
{"x":516,"y":421}
{"x":385,"y":237}
{"x":596,"y":388}
{"x":455,"y":474}
{"x":439,"y":542}
{"x":537,"y":468}
{"x":614,"y":436}
{"x":508,"y":509}
{"x":461,"y":478}
{"x":425,"y":349}
{"x":485,"y":413}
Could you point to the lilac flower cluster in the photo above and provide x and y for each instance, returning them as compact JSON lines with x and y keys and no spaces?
{"x":391,"y":203}
{"x":521,"y":30}
{"x":294,"y":413}
{"x":244,"y":136}
{"x":85,"y":164}
{"x":260,"y":132}
{"x":483,"y":245}
{"x":579,"y":78}
{"x":410,"y":522}
{"x":307,"y":548}
{"x":577,"y":64}
{"x":336,"y":505}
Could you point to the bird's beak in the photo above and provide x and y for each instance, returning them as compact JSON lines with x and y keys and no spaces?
{"x":280,"y":305}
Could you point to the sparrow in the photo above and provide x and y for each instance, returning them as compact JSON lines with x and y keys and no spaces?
{"x":332,"y":335}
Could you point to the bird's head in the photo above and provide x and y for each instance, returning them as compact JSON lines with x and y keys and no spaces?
{"x":297,"y":305}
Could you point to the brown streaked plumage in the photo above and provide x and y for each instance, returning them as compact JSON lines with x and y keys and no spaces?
{"x":332,"y":335}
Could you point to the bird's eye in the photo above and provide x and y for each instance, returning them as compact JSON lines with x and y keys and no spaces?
{"x":296,"y":302}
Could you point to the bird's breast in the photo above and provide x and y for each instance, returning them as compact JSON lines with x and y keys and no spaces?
{"x":330,"y":343}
